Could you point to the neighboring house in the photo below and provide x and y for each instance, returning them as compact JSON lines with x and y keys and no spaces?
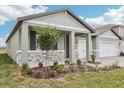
{"x":106,"y":41}
{"x":75,"y":42}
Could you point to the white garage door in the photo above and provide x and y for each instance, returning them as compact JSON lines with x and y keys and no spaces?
{"x":108,"y":49}
{"x":81,"y":48}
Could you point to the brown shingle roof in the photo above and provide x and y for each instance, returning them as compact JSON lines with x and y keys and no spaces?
{"x":107,"y":26}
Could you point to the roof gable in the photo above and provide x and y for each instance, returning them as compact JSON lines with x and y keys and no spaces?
{"x":21,"y":19}
{"x":109,"y":33}
{"x":59,"y":19}
{"x":82,"y":22}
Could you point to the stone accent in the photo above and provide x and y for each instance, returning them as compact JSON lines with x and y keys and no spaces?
{"x":34,"y":57}
{"x":18,"y":57}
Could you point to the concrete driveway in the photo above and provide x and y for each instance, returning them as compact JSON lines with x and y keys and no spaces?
{"x":110,"y":61}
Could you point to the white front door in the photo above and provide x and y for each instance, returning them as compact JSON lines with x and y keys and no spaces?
{"x":81,"y":48}
{"x":108,"y":49}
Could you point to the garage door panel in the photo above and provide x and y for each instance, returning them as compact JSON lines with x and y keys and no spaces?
{"x":108,"y":49}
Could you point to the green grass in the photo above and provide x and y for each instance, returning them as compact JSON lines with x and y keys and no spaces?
{"x":2,"y":50}
{"x":10,"y":77}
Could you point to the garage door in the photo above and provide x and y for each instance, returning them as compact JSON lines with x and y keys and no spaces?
{"x":81,"y":48}
{"x":108,"y":49}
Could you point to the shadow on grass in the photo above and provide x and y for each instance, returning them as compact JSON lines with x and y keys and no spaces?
{"x":5,"y":59}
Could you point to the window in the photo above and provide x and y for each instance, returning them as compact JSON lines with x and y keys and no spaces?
{"x":67,"y":46}
{"x":55,"y":47}
{"x":20,"y":35}
{"x":32,"y":40}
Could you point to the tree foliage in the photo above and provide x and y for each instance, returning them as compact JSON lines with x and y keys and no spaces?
{"x":47,"y":37}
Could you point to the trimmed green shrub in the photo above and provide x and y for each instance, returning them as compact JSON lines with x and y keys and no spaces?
{"x":58,"y":68}
{"x":52,"y":74}
{"x":55,"y":63}
{"x":97,"y":67}
{"x":78,"y":62}
{"x":66,"y":68}
{"x":107,"y":68}
{"x":93,"y":57}
{"x":115,"y":65}
{"x":28,"y":71}
{"x":85,"y":66}
{"x":121,"y":53}
{"x":40,"y":64}
{"x":73,"y":67}
{"x":38,"y":75}
{"x":24,"y":66}
{"x":67,"y":62}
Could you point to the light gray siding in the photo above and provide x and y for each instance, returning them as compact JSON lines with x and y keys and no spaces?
{"x":13,"y":45}
{"x":121,"y":31}
{"x":94,"y":43}
{"x":63,"y":19}
{"x":122,"y":45}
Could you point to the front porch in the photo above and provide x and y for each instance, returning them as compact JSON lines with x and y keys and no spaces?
{"x":73,"y":44}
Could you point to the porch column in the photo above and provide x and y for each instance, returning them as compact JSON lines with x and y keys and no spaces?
{"x":72,"y":46}
{"x":88,"y":46}
{"x":24,"y":42}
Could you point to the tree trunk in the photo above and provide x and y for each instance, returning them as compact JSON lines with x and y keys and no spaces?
{"x":46,"y":60}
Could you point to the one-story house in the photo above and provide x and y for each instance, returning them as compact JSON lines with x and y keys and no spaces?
{"x":106,"y":41}
{"x":75,"y":43}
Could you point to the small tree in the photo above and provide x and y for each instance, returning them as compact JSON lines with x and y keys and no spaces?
{"x":47,"y":39}
{"x":93,"y":57}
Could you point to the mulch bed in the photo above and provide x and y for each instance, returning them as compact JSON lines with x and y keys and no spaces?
{"x":96,"y":62}
{"x":62,"y":75}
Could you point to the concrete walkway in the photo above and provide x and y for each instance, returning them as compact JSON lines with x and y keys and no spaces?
{"x":110,"y":61}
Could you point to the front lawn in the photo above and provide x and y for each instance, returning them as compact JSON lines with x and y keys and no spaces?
{"x":2,"y":50}
{"x":10,"y":77}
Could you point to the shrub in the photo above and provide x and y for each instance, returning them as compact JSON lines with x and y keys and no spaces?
{"x":107,"y":68}
{"x":115,"y":65}
{"x":121,"y":53}
{"x":85,"y":66}
{"x":52,"y":74}
{"x":66,"y":68}
{"x":67,"y":62}
{"x":93,"y":57}
{"x":78,"y":62}
{"x":58,"y":68}
{"x":24,"y":66}
{"x":110,"y":67}
{"x":38,"y":75}
{"x":73,"y":67}
{"x":97,"y":67}
{"x":28,"y":71}
{"x":55,"y":63}
{"x":40,"y":64}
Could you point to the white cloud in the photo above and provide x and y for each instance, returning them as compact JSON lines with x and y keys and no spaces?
{"x":2,"y":41}
{"x":8,"y":13}
{"x":112,"y":16}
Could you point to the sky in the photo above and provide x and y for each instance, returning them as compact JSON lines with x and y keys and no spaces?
{"x":94,"y":15}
